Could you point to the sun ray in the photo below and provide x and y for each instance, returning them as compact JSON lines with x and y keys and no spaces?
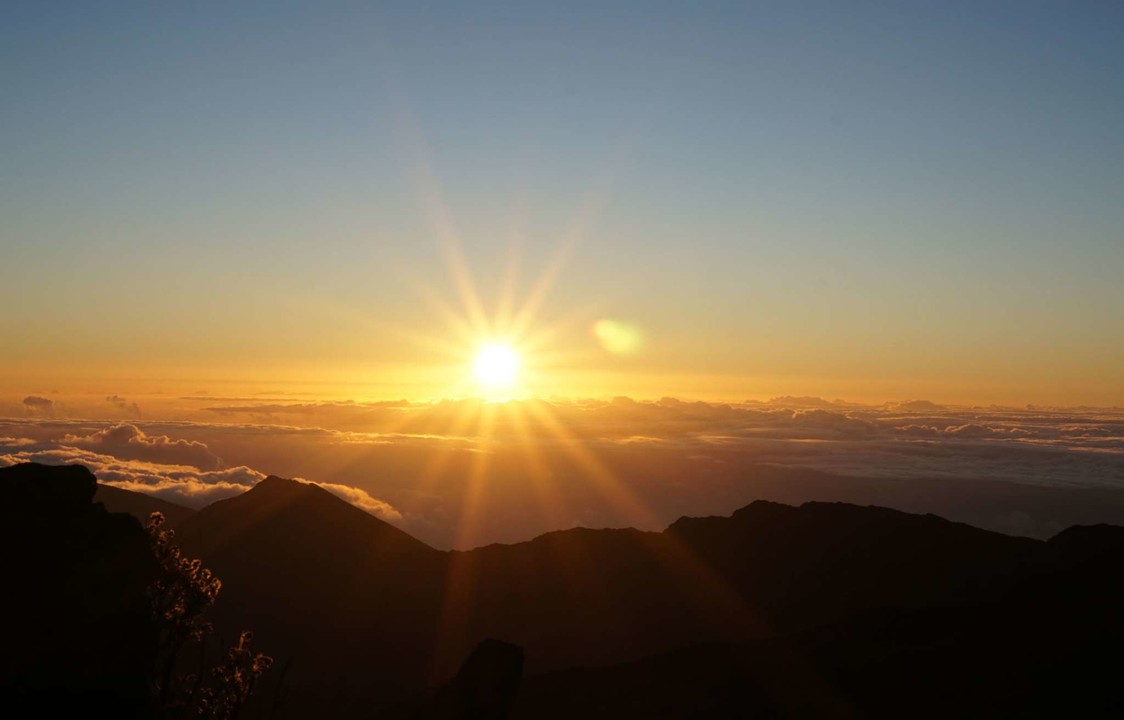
{"x":551,"y":505}
{"x":458,"y":265}
{"x":505,"y":303}
{"x":611,"y":489}
{"x":460,"y":582}
{"x":433,"y":472}
{"x":441,"y":224}
{"x":595,"y":200}
{"x":541,"y":289}
{"x":461,"y":326}
{"x":475,"y":486}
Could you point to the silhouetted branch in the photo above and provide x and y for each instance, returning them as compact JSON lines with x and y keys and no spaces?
{"x":183,"y":591}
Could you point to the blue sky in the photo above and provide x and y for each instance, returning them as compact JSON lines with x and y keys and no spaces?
{"x":844,"y":193}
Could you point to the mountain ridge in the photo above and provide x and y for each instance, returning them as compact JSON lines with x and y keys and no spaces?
{"x":595,"y":597}
{"x":366,"y":616}
{"x":140,"y":505}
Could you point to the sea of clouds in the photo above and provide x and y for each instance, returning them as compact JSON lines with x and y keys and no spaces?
{"x":462,"y":473}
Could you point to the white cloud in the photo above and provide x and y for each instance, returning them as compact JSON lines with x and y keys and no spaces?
{"x":127,"y":441}
{"x":124,"y":456}
{"x":362,"y":500}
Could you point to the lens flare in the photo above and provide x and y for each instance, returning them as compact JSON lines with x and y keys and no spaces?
{"x":617,"y":337}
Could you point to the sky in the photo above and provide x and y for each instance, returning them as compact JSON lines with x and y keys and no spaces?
{"x":718,"y":201}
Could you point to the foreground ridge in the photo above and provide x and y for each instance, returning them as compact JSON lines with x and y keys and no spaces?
{"x":825,"y":609}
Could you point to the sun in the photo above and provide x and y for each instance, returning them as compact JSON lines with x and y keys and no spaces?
{"x":497,"y":366}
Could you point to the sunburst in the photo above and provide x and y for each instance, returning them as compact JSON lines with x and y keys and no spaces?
{"x":508,"y":356}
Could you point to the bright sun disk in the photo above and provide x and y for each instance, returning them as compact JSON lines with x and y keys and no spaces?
{"x":497,"y":366}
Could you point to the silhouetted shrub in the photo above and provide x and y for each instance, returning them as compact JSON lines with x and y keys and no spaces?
{"x":182,"y":593}
{"x":233,"y":680}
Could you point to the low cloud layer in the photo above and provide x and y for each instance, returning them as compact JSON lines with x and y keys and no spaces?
{"x":181,"y":471}
{"x":128,"y":442}
{"x":464,"y":473}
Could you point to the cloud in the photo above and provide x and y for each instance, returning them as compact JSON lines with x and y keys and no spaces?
{"x":131,"y":409}
{"x":127,"y":441}
{"x":790,"y":401}
{"x":11,"y":442}
{"x":182,"y":471}
{"x":180,"y":484}
{"x":188,"y":489}
{"x":362,"y":500}
{"x":914,"y":406}
{"x":37,"y":405}
{"x":973,"y":430}
{"x":820,"y":418}
{"x":921,"y":431}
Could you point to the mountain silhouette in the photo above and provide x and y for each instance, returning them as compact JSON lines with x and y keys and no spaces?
{"x":139,"y":505}
{"x":365,"y":610}
{"x":821,"y":610}
{"x":822,"y":561}
{"x":350,"y":600}
{"x":79,"y":636}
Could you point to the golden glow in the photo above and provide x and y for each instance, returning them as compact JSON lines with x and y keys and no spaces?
{"x":617,"y":337}
{"x":497,"y":367}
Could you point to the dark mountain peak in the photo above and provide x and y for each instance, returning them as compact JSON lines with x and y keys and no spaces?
{"x":299,"y":504}
{"x":341,"y":591}
{"x":821,"y":520}
{"x":279,"y":489}
{"x":1090,"y":534}
{"x":763,"y":508}
{"x":821,"y":509}
{"x":67,"y":486}
{"x":1088,"y":542}
{"x":824,"y":560}
{"x":569,"y":536}
{"x":274,"y":494}
{"x":274,"y":484}
{"x":293,"y":523}
{"x":756,"y":511}
{"x":275,"y":490}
